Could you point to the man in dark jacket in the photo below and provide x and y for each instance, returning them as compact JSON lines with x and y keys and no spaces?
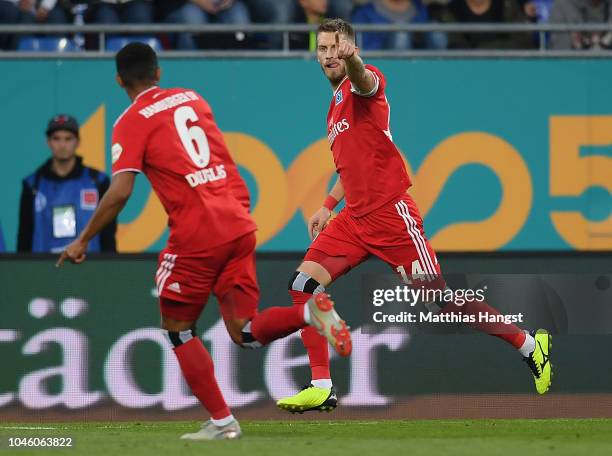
{"x":486,"y":11}
{"x":58,"y":199}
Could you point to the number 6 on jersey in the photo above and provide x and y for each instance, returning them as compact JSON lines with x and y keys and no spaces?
{"x":193,"y":138}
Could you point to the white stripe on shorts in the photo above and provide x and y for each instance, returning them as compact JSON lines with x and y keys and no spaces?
{"x":417,"y":239}
{"x":167,"y":266}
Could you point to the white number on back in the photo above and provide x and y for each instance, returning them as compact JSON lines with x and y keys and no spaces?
{"x":193,"y":138}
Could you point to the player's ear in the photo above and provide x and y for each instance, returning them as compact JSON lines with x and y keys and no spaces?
{"x":157,"y":75}
{"x":119,"y":81}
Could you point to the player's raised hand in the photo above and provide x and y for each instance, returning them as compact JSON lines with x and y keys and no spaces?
{"x":317,"y":222}
{"x":75,"y":253}
{"x":344,"y":48}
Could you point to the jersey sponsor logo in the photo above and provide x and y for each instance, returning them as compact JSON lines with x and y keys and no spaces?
{"x":116,"y":151}
{"x":336,"y":128}
{"x":204,"y":176}
{"x":167,"y":103}
{"x":89,"y":198}
{"x":339,"y":98}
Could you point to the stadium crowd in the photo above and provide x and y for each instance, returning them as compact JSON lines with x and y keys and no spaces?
{"x":238,"y":12}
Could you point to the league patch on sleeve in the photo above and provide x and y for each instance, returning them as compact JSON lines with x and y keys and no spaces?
{"x":116,"y":151}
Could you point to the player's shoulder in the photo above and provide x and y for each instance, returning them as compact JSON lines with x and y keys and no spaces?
{"x":375,"y":70}
{"x":379,"y":85}
{"x":186,"y":90}
{"x":128,"y":116}
{"x":191,"y":94}
{"x":30,"y":179}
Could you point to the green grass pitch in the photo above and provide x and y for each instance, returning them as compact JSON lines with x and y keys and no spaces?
{"x":359,"y":438}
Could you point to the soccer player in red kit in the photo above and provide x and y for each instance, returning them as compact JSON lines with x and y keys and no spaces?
{"x":380,"y":218}
{"x":170,"y":135}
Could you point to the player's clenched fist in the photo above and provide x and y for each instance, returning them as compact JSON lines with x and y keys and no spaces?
{"x":345,"y":48}
{"x":317,"y":222}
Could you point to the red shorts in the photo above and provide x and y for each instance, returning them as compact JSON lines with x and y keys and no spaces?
{"x":228,"y":271}
{"x":394,"y":233}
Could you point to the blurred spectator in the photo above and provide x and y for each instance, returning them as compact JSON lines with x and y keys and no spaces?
{"x":314,"y":12}
{"x":396,"y":12}
{"x":579,"y":12}
{"x":296,"y":12}
{"x":309,"y":12}
{"x":31,"y":12}
{"x":123,"y":11}
{"x":538,"y":11}
{"x":487,"y":11}
{"x":59,"y":198}
{"x":54,"y":11}
{"x":196,"y":12}
{"x":15,"y":12}
{"x":341,"y":8}
{"x":271,"y":12}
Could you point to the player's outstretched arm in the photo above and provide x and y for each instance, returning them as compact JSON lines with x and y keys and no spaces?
{"x":361,"y":78}
{"x":111,"y":204}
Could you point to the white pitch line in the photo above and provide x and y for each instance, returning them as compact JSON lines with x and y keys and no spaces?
{"x":28,"y":428}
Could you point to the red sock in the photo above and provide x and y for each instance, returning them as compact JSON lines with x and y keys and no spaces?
{"x":277,"y":322}
{"x":198,"y":370}
{"x":506,"y":331}
{"x":318,"y":352}
{"x":316,"y":345}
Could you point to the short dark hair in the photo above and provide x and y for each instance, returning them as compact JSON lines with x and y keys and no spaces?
{"x":136,"y":64}
{"x":337,"y":25}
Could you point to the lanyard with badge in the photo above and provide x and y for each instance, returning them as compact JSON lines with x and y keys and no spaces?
{"x":64,"y":221}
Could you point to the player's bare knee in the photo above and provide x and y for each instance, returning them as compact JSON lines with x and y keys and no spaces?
{"x":247,"y":340}
{"x":302,"y":281}
{"x":239,"y":331}
{"x":235,"y":335}
{"x":234,"y":328}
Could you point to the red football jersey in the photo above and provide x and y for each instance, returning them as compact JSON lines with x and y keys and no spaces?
{"x":171,"y":136}
{"x":370,"y":166}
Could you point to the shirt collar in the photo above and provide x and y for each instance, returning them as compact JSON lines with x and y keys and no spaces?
{"x":145,"y":91}
{"x":340,"y":85}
